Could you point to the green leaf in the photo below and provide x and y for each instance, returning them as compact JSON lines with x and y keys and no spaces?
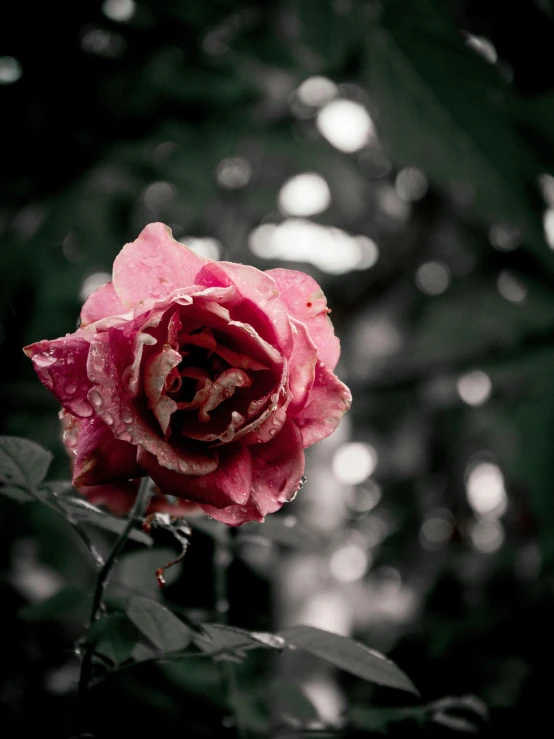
{"x":349,"y":655}
{"x":136,"y":571}
{"x":158,"y":624}
{"x":218,"y":638}
{"x":22,"y":462}
{"x":446,"y":110}
{"x":82,"y":511}
{"x":60,"y":605}
{"x":16,"y":494}
{"x":114,"y":637}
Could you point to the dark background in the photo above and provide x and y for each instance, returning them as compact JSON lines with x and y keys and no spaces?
{"x":115,"y":115}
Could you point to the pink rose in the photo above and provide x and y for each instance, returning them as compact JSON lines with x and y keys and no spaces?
{"x":210,"y":377}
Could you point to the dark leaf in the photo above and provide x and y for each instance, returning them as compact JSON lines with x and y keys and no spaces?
{"x":22,"y":462}
{"x":84,"y":512}
{"x":349,"y":655}
{"x":114,"y":637}
{"x":460,"y":134}
{"x":158,"y":624}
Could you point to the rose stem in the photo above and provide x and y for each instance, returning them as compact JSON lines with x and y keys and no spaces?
{"x":136,"y":514}
{"x":223,"y":556}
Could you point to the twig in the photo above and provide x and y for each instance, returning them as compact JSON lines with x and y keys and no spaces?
{"x":137,"y":512}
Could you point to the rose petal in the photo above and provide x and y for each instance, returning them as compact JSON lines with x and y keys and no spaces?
{"x":329,"y":401}
{"x":127,"y":417}
{"x":302,"y":365}
{"x":305,"y":301}
{"x":155,"y":371}
{"x":61,"y":367}
{"x":118,"y":498}
{"x":153,"y":266}
{"x":229,"y":483}
{"x":258,"y":302}
{"x":277,"y":469}
{"x":101,"y":458}
{"x":101,"y":303}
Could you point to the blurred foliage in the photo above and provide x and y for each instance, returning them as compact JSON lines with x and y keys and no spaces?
{"x":114,"y":123}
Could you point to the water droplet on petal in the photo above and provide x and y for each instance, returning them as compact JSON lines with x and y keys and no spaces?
{"x":95,"y":398}
{"x":183,"y":466}
{"x":43,"y":360}
{"x":108,"y":419}
{"x":127,"y":417}
{"x":71,"y":389}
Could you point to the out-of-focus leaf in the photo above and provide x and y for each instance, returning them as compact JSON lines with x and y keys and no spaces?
{"x":158,"y":624}
{"x":292,"y":700}
{"x":22,"y":462}
{"x":60,"y":605}
{"x":378,"y":720}
{"x":467,"y":324}
{"x":114,"y":637}
{"x":136,"y":571}
{"x":279,"y":530}
{"x":16,"y":494}
{"x":445,"y":109}
{"x":349,"y":655}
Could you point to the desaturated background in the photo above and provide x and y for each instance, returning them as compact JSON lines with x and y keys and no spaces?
{"x":400,"y":152}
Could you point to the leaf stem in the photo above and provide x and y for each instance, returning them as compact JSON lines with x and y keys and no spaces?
{"x":223,"y":556}
{"x":136,"y":514}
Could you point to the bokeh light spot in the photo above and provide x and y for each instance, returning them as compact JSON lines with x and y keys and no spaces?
{"x":433,"y":278}
{"x":233,"y":173}
{"x":485,"y":490}
{"x":411,"y":184}
{"x":346,"y":125}
{"x":92,"y":282}
{"x":10,"y":70}
{"x":354,"y":462}
{"x":304,"y":195}
{"x":510,"y":287}
{"x":119,"y":10}
{"x":474,"y":387}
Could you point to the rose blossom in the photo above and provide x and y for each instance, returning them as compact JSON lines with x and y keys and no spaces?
{"x":210,"y":377}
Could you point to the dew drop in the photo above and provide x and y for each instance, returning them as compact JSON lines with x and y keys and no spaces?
{"x":71,"y":389}
{"x":108,"y":419}
{"x":125,"y":437}
{"x":95,"y":398}
{"x":183,"y":466}
{"x":43,"y":360}
{"x":272,"y":432}
{"x":127,"y":417}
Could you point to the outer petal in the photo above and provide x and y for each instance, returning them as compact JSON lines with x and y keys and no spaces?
{"x":118,"y":497}
{"x":258,"y":301}
{"x":305,"y":301}
{"x":277,"y":469}
{"x":61,"y":366}
{"x":230,"y":483}
{"x":302,"y":365}
{"x":101,"y":303}
{"x":153,"y":266}
{"x":102,"y":458}
{"x":329,"y":401}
